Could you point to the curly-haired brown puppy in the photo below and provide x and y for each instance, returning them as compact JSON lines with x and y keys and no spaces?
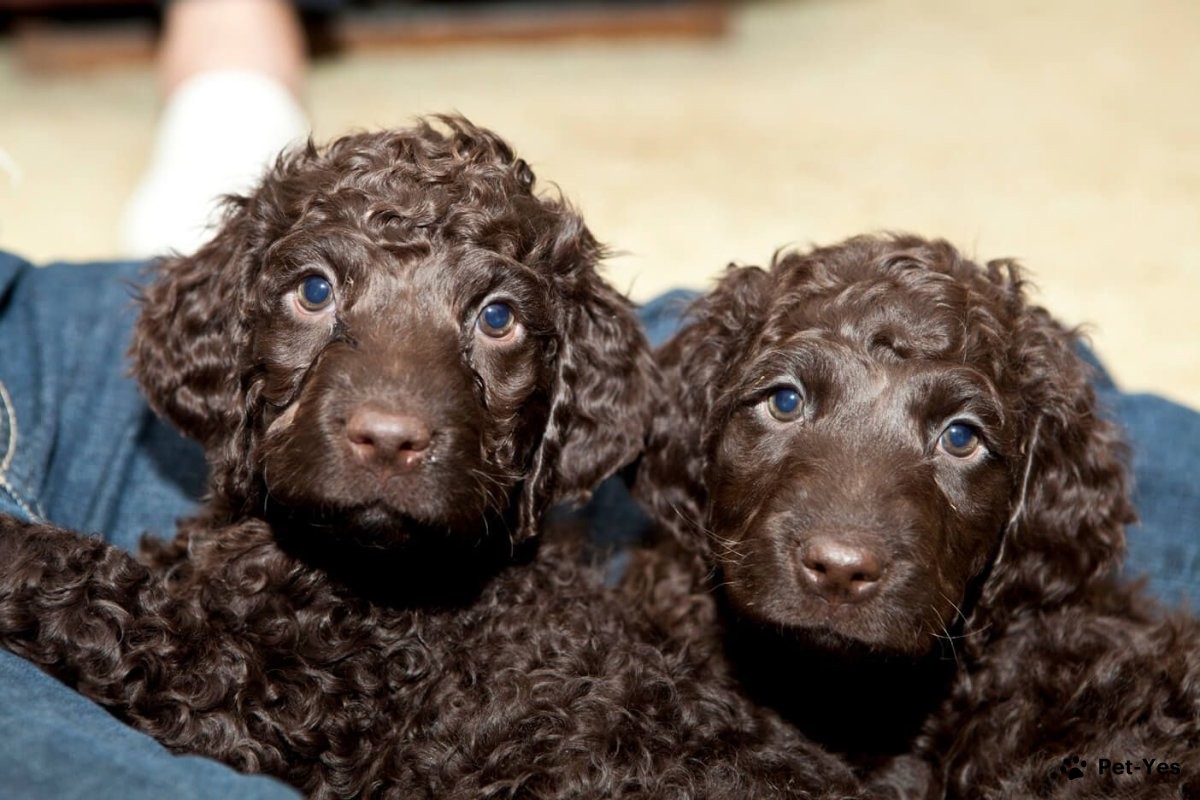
{"x":889,"y":466}
{"x":397,"y":356}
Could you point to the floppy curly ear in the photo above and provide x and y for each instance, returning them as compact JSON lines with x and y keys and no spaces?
{"x":670,"y":480}
{"x":1071,"y":504}
{"x":600,"y":412}
{"x":190,"y":337}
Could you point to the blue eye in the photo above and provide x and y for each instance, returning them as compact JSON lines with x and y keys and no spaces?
{"x":496,"y":320}
{"x":785,"y":404}
{"x":959,"y":440}
{"x":315,"y":293}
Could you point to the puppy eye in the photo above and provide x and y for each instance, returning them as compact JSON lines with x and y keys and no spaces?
{"x":785,"y":403}
{"x":959,"y":440}
{"x":496,"y":320}
{"x":314,"y":293}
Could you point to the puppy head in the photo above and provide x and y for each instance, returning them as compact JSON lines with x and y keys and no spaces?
{"x":395,"y":333}
{"x":873,"y":441}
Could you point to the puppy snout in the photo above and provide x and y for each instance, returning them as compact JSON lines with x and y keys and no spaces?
{"x":387,"y":440}
{"x":839,"y":571}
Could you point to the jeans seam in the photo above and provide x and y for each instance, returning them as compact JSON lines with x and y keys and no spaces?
{"x":11,"y":415}
{"x":33,"y":513}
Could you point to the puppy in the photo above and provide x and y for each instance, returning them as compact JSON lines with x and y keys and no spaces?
{"x":890,"y":505}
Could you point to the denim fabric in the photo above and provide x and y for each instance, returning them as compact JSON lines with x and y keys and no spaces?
{"x":1165,"y":545}
{"x":79,"y":447}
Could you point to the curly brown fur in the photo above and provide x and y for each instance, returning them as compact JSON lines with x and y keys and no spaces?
{"x":904,"y":597}
{"x":362,"y":607}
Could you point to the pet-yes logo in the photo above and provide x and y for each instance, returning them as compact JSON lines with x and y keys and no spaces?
{"x":1074,"y":767}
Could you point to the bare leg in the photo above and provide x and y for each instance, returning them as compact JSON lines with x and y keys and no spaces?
{"x":261,"y":36}
{"x":231,"y":73}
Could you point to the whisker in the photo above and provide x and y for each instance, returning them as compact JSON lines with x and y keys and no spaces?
{"x":947,"y":637}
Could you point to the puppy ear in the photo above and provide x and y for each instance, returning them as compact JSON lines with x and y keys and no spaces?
{"x":606,"y":375}
{"x":670,"y":480}
{"x":600,"y":412}
{"x":191,"y":336}
{"x":1071,"y":504}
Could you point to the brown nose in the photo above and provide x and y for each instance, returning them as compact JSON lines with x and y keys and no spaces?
{"x":387,"y":440}
{"x":838,"y":571}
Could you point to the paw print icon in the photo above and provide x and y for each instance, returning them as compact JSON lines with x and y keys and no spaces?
{"x":1072,"y":767}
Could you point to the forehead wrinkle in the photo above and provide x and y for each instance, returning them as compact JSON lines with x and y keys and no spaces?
{"x":430,"y":273}
{"x":905,"y":329}
{"x":867,"y":314}
{"x":386,"y":291}
{"x":903,"y":307}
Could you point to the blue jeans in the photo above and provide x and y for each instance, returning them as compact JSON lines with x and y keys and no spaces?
{"x":79,"y":447}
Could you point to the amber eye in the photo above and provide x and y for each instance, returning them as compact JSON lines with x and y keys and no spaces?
{"x":314,"y":293}
{"x":496,"y":320}
{"x":959,"y":440}
{"x":785,"y":403}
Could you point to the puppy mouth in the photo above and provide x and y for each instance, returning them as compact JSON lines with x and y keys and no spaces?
{"x":382,"y":518}
{"x":879,"y":624}
{"x":862,"y":637}
{"x":833,"y":641}
{"x":373,"y":523}
{"x":800,"y":616}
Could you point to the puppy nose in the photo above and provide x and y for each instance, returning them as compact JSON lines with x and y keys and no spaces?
{"x":387,"y":439}
{"x":838,"y":571}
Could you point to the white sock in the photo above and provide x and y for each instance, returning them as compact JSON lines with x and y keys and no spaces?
{"x":218,"y":133}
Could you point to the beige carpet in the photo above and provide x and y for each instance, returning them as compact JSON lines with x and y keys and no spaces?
{"x":1065,"y":133}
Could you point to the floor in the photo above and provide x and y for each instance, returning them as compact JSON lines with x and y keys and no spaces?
{"x":1066,"y":134}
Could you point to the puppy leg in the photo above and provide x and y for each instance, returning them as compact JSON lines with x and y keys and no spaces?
{"x":66,"y":603}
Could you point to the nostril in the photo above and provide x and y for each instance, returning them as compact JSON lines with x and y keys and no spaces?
{"x":387,"y":438}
